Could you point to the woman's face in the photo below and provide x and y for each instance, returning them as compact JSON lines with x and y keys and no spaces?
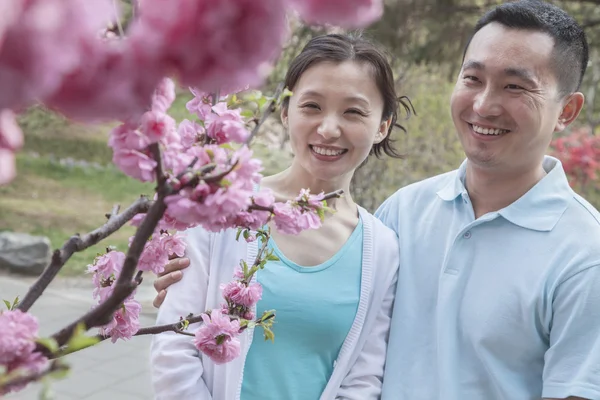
{"x":334,"y":118}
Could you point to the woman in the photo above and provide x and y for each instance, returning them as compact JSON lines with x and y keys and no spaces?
{"x":333,"y":287}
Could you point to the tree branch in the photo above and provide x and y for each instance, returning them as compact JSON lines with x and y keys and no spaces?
{"x":271,"y":108}
{"x":77,"y":243}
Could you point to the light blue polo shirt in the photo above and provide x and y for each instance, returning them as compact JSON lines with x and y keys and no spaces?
{"x":506,"y":306}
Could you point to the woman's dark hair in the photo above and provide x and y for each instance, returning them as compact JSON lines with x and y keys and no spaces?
{"x":339,"y":48}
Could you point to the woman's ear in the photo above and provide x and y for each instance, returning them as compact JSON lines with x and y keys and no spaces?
{"x":384,"y":129}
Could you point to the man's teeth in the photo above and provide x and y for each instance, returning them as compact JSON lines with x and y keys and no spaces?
{"x":488,"y":131}
{"x":326,"y":152}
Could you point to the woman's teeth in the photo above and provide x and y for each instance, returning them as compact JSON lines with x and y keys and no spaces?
{"x":326,"y":152}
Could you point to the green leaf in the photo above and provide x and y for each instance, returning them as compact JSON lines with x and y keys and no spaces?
{"x":15,"y":303}
{"x":80,"y":340}
{"x":8,"y":304}
{"x":185,"y":324}
{"x":48,"y":343}
{"x":321,"y":214}
{"x":272,"y":257}
{"x":239,"y":232}
{"x":80,"y":343}
{"x":269,"y":335}
{"x":246,"y":234}
{"x":247,"y":114}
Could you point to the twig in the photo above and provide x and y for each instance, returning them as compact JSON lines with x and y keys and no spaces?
{"x":153,"y":330}
{"x":118,"y":20}
{"x":271,"y":108}
{"x":77,"y":243}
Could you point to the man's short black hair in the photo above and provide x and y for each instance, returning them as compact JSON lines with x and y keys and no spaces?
{"x":570,"y":54}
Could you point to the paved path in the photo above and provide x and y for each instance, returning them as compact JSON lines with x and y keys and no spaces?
{"x":107,"y":371}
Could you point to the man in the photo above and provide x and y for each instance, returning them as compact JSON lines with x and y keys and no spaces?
{"x":499,"y":287}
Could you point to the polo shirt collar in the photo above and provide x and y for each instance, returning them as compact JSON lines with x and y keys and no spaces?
{"x":538,"y":209}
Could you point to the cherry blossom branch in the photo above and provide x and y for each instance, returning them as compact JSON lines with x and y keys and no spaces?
{"x":79,"y":243}
{"x":271,"y":108}
{"x":328,"y":196}
{"x":125,"y":284}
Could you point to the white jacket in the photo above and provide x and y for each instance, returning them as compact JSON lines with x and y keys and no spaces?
{"x":180,"y":372}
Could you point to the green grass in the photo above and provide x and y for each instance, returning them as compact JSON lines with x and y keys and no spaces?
{"x":56,"y":201}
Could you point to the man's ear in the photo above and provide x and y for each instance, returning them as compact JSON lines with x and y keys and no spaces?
{"x":570,"y":111}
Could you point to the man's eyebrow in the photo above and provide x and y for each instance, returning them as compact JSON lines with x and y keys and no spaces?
{"x":521,"y":73}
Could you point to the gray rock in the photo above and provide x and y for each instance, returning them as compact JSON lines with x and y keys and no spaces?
{"x":23,"y":253}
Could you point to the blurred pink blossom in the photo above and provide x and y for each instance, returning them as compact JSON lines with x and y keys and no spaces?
{"x":29,"y":66}
{"x":236,"y":38}
{"x":164,"y":95}
{"x":343,"y":13}
{"x":11,"y":140}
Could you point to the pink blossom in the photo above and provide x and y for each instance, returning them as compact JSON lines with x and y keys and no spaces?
{"x":286,"y":217}
{"x":29,"y":66}
{"x":238,"y":273}
{"x":256,"y":219}
{"x":241,"y":294}
{"x":107,"y":265}
{"x":189,"y":132}
{"x":237,"y":37}
{"x":18,"y":330}
{"x":309,"y":220}
{"x":218,"y":337}
{"x":163,"y":96}
{"x":105,"y":268}
{"x":343,"y":13}
{"x":225,"y":130}
{"x":11,"y":140}
{"x":135,"y":164}
{"x":313,"y":200}
{"x":125,"y":322}
{"x":125,"y":137}
{"x":154,"y":257}
{"x":157,"y":125}
{"x":174,"y":244}
{"x":201,"y":104}
{"x":110,"y":85}
{"x":246,"y":168}
{"x":32,"y":363}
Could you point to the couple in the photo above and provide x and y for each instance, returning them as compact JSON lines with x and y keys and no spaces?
{"x":497,"y":293}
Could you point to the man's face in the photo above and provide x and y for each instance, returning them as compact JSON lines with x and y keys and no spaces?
{"x":505,"y":104}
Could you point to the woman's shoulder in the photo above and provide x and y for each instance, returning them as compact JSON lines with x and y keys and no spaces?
{"x":378,"y":228}
{"x":383,"y":241}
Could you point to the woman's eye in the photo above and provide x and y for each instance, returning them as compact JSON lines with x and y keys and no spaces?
{"x":355,"y":111}
{"x":311,"y":105}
